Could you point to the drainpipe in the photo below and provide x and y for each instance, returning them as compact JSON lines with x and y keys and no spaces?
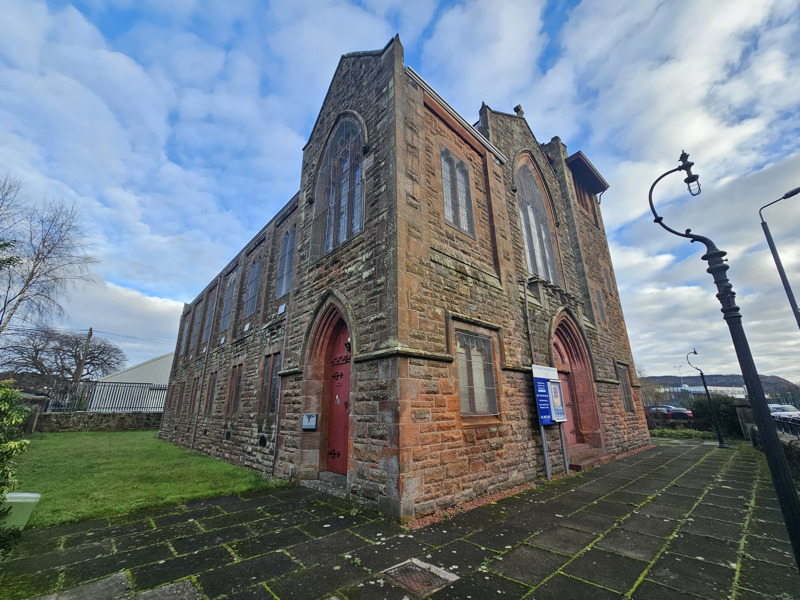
{"x":542,"y":433}
{"x":280,"y":395}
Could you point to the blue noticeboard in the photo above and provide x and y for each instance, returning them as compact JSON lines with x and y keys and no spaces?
{"x":542,"y":380}
{"x":543,"y":400}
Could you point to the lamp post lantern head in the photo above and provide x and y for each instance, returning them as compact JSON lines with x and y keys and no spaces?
{"x":692,"y":181}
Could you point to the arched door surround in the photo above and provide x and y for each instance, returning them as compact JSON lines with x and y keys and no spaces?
{"x":326,"y":390}
{"x":571,"y":359}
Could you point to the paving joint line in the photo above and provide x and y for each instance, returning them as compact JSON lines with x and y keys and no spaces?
{"x":748,"y":517}
{"x":666,"y":545}
{"x":600,"y":537}
{"x":618,"y":522}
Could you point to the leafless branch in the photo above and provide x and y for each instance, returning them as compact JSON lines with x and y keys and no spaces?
{"x":50,"y":255}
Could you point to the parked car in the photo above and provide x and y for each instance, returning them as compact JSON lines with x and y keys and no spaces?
{"x":666,"y":411}
{"x":783,"y":410}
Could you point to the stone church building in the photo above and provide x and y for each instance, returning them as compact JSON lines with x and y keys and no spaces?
{"x":375,"y":333}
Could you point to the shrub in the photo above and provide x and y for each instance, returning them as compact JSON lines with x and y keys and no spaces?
{"x":682,"y":434}
{"x":725,"y":407}
{"x":12,"y":416}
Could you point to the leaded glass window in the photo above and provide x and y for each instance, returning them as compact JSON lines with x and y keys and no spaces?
{"x":339,"y":197}
{"x":476,"y":374}
{"x":456,"y":192}
{"x":227,"y":306}
{"x":251,"y":298}
{"x":535,"y":224}
{"x":209,"y":319}
{"x":285,"y":265}
{"x":625,"y":382}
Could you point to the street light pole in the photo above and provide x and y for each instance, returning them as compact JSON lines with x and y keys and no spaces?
{"x":717,"y":267}
{"x":714,"y":418}
{"x":680,"y":374}
{"x":776,"y":258}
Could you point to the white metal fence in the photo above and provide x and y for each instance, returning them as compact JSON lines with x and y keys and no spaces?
{"x":106,"y":396}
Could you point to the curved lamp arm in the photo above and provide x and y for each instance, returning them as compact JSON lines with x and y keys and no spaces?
{"x":788,"y":194}
{"x":692,"y":182}
{"x":694,"y":351}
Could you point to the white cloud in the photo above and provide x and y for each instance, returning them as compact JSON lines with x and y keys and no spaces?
{"x":484,"y":50}
{"x":143,"y":326}
{"x":178,"y":127}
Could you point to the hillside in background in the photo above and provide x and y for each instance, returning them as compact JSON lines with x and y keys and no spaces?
{"x":773,"y":385}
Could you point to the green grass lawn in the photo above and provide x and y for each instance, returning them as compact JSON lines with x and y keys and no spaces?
{"x":97,"y":474}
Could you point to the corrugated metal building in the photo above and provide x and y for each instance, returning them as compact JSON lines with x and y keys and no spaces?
{"x":155,"y":370}
{"x":142,"y":387}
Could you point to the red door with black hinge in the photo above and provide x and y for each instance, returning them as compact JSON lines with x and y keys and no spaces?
{"x":339,"y":403}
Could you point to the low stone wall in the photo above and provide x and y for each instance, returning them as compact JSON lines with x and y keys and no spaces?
{"x":791,"y":448}
{"x":97,"y":421}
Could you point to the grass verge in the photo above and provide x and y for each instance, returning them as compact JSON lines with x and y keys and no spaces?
{"x":97,"y":474}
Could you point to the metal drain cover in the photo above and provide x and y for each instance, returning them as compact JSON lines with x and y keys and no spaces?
{"x":420,"y":578}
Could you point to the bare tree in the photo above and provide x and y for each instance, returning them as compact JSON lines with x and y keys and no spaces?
{"x":30,"y":351}
{"x":43,"y":251}
{"x":652,"y":393}
{"x":60,"y":354}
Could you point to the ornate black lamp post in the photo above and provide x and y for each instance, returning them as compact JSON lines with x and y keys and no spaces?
{"x":776,"y":258}
{"x":717,"y":267}
{"x":714,"y":418}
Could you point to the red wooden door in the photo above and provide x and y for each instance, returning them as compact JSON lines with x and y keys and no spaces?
{"x":339,"y":404}
{"x":570,"y":429}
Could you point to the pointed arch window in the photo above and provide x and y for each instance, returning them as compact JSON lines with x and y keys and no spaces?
{"x":535,"y":223}
{"x":251,"y":297}
{"x":456,"y":192}
{"x":285,"y":264}
{"x":227,"y":306}
{"x":339,"y":194}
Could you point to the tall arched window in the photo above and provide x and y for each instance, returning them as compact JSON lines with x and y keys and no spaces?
{"x":339,"y":195}
{"x":456,"y":192}
{"x":285,"y":264}
{"x":535,"y":225}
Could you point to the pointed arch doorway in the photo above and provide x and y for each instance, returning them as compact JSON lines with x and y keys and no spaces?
{"x":571,"y":359}
{"x":326,"y":391}
{"x":338,"y":399}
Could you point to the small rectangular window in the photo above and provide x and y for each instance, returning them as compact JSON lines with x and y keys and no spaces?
{"x":193,"y":397}
{"x":625,"y":383}
{"x":476,"y":374}
{"x":251,"y":298}
{"x":209,"y":319}
{"x":227,"y":307}
{"x":180,"y":398}
{"x":600,"y":307}
{"x":234,"y":388}
{"x":608,"y":281}
{"x":211,"y":392}
{"x":270,"y":385}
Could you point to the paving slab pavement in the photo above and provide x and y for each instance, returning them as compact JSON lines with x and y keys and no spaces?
{"x":680,"y":520}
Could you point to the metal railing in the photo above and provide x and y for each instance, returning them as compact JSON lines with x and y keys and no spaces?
{"x":788,"y":425}
{"x":106,"y":396}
